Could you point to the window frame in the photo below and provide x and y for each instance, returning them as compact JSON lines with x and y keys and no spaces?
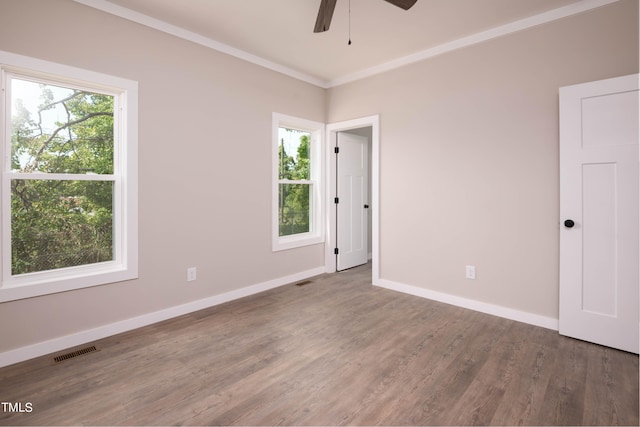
{"x":124,"y":266}
{"x":316,"y":233}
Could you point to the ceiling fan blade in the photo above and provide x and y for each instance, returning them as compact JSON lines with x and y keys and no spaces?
{"x":325,"y":13}
{"x":404,"y":4}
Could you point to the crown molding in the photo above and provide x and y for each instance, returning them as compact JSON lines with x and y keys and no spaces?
{"x":180,"y":32}
{"x":503,"y":30}
{"x":522,"y":24}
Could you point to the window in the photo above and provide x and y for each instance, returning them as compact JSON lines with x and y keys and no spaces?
{"x":69,"y":180}
{"x":297,"y":182}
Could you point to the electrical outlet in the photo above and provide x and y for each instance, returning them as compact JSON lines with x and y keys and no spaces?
{"x":471,"y":272}
{"x":191,"y":274}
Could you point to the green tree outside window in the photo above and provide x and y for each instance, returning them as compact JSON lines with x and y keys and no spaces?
{"x":59,"y":222}
{"x":295,"y":186}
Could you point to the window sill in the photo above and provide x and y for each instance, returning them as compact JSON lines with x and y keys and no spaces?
{"x":296,"y":241}
{"x":36,"y":285}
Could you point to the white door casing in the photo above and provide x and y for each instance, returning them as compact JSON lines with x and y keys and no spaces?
{"x":599,"y":204}
{"x":352,"y":194}
{"x":331,"y":133}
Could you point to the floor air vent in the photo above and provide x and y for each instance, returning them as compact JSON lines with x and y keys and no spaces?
{"x":76,"y":353}
{"x":305,"y":282}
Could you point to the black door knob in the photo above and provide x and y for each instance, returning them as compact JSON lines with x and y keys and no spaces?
{"x":569,"y":223}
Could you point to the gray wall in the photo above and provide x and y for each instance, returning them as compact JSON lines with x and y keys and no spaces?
{"x":469,"y":160}
{"x":204,"y":169}
{"x":469,"y":156}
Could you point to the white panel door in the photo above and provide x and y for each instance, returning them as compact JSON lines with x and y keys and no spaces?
{"x":352,"y":207}
{"x":599,"y":190}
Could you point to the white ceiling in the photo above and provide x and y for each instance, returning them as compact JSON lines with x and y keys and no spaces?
{"x":279,"y":34}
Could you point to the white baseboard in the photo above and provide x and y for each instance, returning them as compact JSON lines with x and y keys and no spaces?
{"x":495,"y":310}
{"x":57,"y":344}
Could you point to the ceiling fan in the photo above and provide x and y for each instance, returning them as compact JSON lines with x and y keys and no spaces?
{"x":325,"y":13}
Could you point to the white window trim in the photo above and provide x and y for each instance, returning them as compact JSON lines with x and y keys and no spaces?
{"x":125,"y":266}
{"x":316,"y":235}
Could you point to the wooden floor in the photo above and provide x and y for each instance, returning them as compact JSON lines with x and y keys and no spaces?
{"x":336,"y":351}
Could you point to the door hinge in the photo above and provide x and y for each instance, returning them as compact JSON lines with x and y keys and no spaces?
{"x":335,"y":251}
{"x":336,"y":200}
{"x":336,"y":150}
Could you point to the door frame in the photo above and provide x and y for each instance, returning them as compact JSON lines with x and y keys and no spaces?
{"x":331,"y":131}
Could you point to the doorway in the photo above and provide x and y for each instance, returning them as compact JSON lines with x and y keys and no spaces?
{"x":369,"y":128}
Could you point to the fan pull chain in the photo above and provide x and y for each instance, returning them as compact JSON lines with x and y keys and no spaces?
{"x":349,"y":23}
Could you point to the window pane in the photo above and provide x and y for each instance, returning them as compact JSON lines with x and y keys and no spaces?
{"x":60,"y":130}
{"x":294,"y":213}
{"x":57,"y":224}
{"x":293,"y":154}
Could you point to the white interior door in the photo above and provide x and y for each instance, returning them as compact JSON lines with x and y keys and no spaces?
{"x":351,"y":209}
{"x":599,"y":183}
